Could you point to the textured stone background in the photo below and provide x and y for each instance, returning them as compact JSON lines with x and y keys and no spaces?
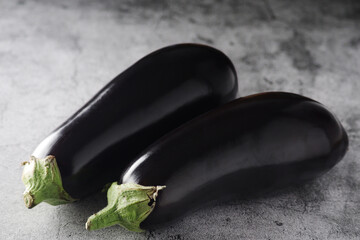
{"x":54,"y":55}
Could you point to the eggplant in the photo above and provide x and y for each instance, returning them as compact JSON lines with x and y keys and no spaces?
{"x":249,"y":146}
{"x":154,"y":96}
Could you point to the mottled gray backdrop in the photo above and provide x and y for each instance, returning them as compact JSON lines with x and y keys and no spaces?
{"x":54,"y":55}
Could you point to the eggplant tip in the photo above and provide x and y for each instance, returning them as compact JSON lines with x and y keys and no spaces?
{"x":128,"y":205}
{"x":42,"y":180}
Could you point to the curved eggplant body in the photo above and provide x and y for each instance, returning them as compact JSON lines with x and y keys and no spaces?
{"x":250,"y":145}
{"x":155,"y":95}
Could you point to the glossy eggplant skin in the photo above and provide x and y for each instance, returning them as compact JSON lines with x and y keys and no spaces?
{"x":155,"y":95}
{"x":249,"y":146}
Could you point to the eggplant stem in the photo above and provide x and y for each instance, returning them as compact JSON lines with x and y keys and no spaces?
{"x":42,"y":180}
{"x":128,"y":205}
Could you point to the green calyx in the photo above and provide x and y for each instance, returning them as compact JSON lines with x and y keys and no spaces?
{"x":128,"y":205}
{"x":43,"y":183}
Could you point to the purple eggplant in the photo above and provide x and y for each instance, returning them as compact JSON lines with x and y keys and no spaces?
{"x":154,"y":96}
{"x":249,"y":146}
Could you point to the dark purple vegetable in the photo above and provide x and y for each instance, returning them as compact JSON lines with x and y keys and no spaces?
{"x":157,"y":94}
{"x":251,"y":145}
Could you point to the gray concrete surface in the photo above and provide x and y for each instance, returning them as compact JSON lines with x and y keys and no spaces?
{"x":54,"y":55}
